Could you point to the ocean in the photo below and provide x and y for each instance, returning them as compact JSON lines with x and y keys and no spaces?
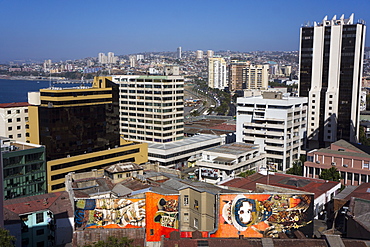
{"x":17,"y":90}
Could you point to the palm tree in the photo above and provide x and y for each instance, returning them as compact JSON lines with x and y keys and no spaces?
{"x":331,"y":174}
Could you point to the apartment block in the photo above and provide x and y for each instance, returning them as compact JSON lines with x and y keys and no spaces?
{"x":276,"y":123}
{"x":217,"y":73}
{"x":13,"y":118}
{"x":151,"y":108}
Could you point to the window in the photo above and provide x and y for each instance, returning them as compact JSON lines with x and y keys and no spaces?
{"x":18,"y":119}
{"x":313,"y":95}
{"x":39,"y":217}
{"x":10,"y":136}
{"x":151,"y":231}
{"x":18,"y":127}
{"x":25,"y":110}
{"x":10,"y":128}
{"x":18,"y":111}
{"x":9,"y":112}
{"x":119,"y":176}
{"x":313,"y":101}
{"x":186,"y":200}
{"x":330,"y":102}
{"x":196,"y":204}
{"x":196,"y":223}
{"x":40,"y":232}
{"x":331,"y":96}
{"x":40,"y":244}
{"x":19,"y":135}
{"x":10,"y":120}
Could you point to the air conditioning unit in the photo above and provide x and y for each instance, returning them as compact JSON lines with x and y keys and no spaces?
{"x":317,"y":161}
{"x":333,"y":163}
{"x":345,"y":165}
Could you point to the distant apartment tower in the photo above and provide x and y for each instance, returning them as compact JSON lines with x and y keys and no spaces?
{"x":111,"y":58}
{"x":151,"y":108}
{"x":13,"y":118}
{"x":210,"y":53}
{"x":276,"y":123}
{"x":236,"y":69}
{"x":331,"y":64}
{"x":256,"y":76}
{"x":102,"y":58}
{"x":199,"y":54}
{"x":133,"y":61}
{"x":179,"y":51}
{"x":217,"y":73}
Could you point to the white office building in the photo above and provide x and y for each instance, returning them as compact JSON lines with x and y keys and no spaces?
{"x":276,"y":123}
{"x":151,"y":107}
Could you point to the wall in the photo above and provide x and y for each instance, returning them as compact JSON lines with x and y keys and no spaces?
{"x":263,"y":215}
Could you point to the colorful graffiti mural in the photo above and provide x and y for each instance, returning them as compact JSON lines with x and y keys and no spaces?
{"x":109,"y":213}
{"x":162,"y":215}
{"x":264,"y":215}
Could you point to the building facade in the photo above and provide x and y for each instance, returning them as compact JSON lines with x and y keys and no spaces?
{"x":24,"y":169}
{"x":276,"y":123}
{"x":217,"y":73}
{"x":352,"y":163}
{"x":256,"y":76}
{"x":151,"y":108}
{"x":13,"y":118}
{"x":331,"y":64}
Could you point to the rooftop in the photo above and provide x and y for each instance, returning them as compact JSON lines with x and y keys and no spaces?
{"x":189,"y":141}
{"x":122,"y":167}
{"x":14,"y":104}
{"x":312,"y":185}
{"x":233,"y":148}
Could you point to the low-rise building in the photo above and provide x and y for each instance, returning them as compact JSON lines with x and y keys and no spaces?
{"x":323,"y":190}
{"x":226,"y":161}
{"x":41,"y":220}
{"x":351,"y":160}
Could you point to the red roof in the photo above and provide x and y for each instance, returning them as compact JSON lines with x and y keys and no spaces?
{"x":56,"y":202}
{"x":362,"y":192}
{"x":14,"y":104}
{"x":311,"y":185}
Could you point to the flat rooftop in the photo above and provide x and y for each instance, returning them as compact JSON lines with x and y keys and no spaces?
{"x":233,"y":148}
{"x":189,"y":141}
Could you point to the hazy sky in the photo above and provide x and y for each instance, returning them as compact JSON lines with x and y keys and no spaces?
{"x":72,"y":29}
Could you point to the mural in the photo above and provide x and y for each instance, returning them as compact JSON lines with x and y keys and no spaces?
{"x":162,"y":215}
{"x":264,"y":215}
{"x":109,"y":213}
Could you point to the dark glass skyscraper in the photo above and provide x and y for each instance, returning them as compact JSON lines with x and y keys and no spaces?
{"x":331,"y":62}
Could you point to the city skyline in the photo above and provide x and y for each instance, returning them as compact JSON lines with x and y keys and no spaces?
{"x":71,"y":30}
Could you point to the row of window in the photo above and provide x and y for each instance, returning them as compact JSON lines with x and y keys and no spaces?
{"x":10,"y":120}
{"x":18,"y":111}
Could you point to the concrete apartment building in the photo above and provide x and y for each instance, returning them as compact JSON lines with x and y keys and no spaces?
{"x":13,"y":118}
{"x":243,"y":75}
{"x":256,"y":76}
{"x":331,"y":65}
{"x":350,"y":160}
{"x":276,"y":123}
{"x":217,"y":73}
{"x":151,"y":107}
{"x":24,"y":168}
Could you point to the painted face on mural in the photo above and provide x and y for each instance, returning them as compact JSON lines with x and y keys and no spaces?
{"x":245,"y":212}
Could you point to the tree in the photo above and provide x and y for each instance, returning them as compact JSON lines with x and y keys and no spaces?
{"x":296,"y":169}
{"x":247,"y":173}
{"x":6,"y":240}
{"x":113,"y":242}
{"x":331,"y":174}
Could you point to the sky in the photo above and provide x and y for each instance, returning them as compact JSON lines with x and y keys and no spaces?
{"x":74,"y":29}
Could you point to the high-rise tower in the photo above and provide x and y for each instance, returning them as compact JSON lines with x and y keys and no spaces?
{"x":331,"y":62}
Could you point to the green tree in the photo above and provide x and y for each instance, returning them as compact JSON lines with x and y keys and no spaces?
{"x":296,"y":169}
{"x":247,"y":173}
{"x":6,"y":240}
{"x":331,"y":174}
{"x":113,"y":242}
{"x":363,"y":139}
